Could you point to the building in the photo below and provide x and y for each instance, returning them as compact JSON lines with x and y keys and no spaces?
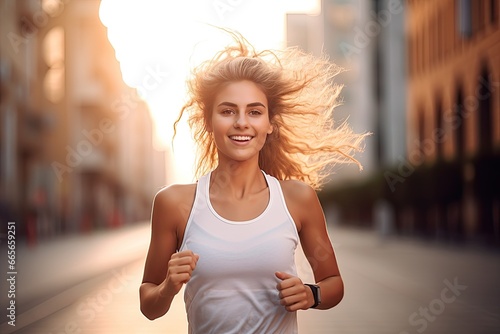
{"x":425,"y":82}
{"x":76,"y":143}
{"x":454,"y":115}
{"x":333,"y":31}
{"x":367,"y":39}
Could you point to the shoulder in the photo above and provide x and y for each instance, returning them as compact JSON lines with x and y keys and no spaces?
{"x":301,"y":200}
{"x":175,"y":194}
{"x":298,"y":191}
{"x":173,"y":203}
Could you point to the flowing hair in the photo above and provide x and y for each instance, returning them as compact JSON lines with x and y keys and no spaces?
{"x":301,"y":95}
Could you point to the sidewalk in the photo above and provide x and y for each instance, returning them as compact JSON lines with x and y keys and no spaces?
{"x":51,"y":275}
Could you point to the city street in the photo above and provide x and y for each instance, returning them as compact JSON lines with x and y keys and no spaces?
{"x":89,"y":284}
{"x":104,"y":103}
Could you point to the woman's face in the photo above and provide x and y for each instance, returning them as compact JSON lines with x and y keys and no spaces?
{"x":240,"y":121}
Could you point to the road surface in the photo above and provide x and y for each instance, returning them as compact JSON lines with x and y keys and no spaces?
{"x":89,"y":284}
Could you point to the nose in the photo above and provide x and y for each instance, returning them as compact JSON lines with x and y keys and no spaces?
{"x":241,"y":120}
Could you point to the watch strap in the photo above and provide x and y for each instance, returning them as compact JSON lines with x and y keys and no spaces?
{"x":316,"y":294}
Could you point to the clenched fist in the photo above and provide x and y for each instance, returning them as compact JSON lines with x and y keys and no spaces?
{"x":180,"y":268}
{"x":294,"y":295}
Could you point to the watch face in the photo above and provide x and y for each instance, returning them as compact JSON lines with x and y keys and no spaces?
{"x":318,"y":294}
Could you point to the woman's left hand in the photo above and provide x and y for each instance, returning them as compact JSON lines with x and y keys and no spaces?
{"x":294,"y":295}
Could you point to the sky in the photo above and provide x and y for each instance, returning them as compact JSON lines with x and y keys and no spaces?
{"x":157,"y":42}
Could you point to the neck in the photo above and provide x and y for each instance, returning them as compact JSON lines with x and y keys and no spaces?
{"x":237,"y":179}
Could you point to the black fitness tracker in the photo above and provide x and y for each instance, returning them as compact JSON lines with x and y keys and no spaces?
{"x":316,"y":294}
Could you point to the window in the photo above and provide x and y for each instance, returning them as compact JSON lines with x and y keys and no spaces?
{"x":53,"y":54}
{"x":479,"y":17}
{"x":485,"y":123}
{"x":438,"y":135}
{"x":458,"y":124}
{"x":494,"y":9}
{"x":464,"y":18}
{"x":421,"y":131}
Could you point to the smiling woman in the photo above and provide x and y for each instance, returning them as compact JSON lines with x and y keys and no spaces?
{"x":240,"y":121}
{"x":172,"y":37}
{"x":300,"y":96}
{"x":263,"y":124}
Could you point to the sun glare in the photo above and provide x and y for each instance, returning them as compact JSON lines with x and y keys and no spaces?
{"x":157,"y":43}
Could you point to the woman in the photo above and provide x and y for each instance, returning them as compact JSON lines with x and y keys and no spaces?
{"x":266,"y":138}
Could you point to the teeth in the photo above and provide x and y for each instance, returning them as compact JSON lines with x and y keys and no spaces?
{"x":240,"y":138}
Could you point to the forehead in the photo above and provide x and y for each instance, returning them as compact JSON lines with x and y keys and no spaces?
{"x":240,"y":92}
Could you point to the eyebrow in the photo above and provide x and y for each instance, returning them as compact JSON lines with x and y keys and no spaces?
{"x":230,"y":104}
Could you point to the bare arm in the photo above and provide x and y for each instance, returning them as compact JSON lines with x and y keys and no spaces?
{"x":306,"y":210}
{"x":165,"y":270}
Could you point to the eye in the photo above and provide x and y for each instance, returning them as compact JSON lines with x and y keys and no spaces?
{"x":227,"y":111}
{"x":255,"y":112}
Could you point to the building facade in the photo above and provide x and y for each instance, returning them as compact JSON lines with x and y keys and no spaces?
{"x":425,"y":80}
{"x":338,"y":31}
{"x":367,"y":39}
{"x":454,"y":115}
{"x":76,"y":143}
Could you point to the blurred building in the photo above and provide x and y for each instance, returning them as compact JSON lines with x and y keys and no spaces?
{"x":332,"y":32}
{"x":424,"y":78}
{"x":454,"y":116}
{"x":76,"y":143}
{"x":366,"y":38}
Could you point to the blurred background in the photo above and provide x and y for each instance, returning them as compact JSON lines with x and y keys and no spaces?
{"x":89,"y":91}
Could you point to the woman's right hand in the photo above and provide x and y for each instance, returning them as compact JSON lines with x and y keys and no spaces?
{"x":165,"y":270}
{"x":179,"y":271}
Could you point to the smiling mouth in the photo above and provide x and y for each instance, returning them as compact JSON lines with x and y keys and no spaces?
{"x":241,"y":138}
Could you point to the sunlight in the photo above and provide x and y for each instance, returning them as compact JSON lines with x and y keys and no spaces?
{"x":158,"y":42}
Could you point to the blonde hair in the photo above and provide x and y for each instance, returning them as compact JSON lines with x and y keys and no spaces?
{"x":301,"y":96}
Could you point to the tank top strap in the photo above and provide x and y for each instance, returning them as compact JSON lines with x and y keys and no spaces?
{"x":199,"y":204}
{"x":277,"y":196}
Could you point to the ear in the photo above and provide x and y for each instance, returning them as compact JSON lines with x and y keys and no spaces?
{"x":271,"y":128}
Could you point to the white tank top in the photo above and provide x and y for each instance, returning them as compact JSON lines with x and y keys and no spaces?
{"x":233,"y":287}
